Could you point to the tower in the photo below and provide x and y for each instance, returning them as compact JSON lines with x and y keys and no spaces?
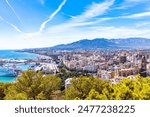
{"x":123,"y":59}
{"x":143,"y":69}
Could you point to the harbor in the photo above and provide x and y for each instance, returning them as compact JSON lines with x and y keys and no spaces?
{"x":11,"y":68}
{"x":12,"y":63}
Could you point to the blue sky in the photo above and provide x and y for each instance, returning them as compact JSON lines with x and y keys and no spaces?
{"x":44,"y":23}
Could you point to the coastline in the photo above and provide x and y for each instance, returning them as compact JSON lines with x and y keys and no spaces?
{"x":9,"y":59}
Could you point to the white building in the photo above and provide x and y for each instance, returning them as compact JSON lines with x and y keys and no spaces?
{"x":68,"y":82}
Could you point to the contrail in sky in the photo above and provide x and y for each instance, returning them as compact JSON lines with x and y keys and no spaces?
{"x":13,"y":10}
{"x":52,"y":16}
{"x":14,"y":26}
{"x":42,"y":25}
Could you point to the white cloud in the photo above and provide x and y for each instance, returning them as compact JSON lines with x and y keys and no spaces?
{"x":69,"y":25}
{"x":67,"y":35}
{"x":130,"y":3}
{"x":137,"y":15}
{"x":13,"y":10}
{"x":142,"y":24}
{"x":131,"y":16}
{"x":90,"y":12}
{"x":100,"y":31}
{"x":85,"y":25}
{"x":136,"y":1}
{"x":93,"y":10}
{"x":96,"y":9}
{"x":122,"y":32}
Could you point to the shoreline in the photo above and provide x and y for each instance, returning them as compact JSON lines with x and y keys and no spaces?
{"x":19,"y":62}
{"x":16,"y":61}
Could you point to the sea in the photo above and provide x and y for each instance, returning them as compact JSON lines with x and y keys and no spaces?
{"x":12,"y":54}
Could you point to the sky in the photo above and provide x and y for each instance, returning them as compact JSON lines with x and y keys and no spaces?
{"x":45,"y":23}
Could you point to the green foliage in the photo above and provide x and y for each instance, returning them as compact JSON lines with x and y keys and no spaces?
{"x":137,"y":89}
{"x":94,"y":95}
{"x":86,"y":88}
{"x":3,"y":89}
{"x":36,"y":86}
{"x":67,"y":73}
{"x":32,"y":85}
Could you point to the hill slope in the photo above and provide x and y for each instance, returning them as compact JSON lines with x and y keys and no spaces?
{"x":102,"y":43}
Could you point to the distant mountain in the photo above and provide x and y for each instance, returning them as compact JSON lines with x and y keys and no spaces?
{"x":133,"y":43}
{"x":86,"y":45}
{"x":102,"y":43}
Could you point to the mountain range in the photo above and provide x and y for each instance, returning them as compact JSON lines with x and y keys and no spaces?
{"x":103,"y":43}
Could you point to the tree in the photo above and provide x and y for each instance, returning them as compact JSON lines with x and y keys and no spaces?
{"x":95,"y":95}
{"x":36,"y":86}
{"x":32,"y":85}
{"x":88,"y":87}
{"x":97,"y":89}
{"x":133,"y":89}
{"x":3,"y":89}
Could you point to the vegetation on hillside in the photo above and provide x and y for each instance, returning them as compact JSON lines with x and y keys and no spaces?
{"x":35,"y":86}
{"x":96,"y":89}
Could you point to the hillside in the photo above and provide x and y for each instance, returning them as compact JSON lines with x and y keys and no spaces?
{"x":102,"y":43}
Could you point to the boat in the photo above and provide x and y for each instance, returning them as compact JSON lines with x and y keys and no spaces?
{"x":7,"y":73}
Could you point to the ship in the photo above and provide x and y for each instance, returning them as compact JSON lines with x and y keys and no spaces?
{"x":7,"y":73}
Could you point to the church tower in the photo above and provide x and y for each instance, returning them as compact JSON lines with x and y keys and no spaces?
{"x":143,"y":69}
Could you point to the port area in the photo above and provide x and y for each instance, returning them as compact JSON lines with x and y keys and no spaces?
{"x":14,"y":67}
{"x":11,"y":67}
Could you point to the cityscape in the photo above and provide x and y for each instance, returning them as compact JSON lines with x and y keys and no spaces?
{"x":113,"y":65}
{"x":106,"y":64}
{"x":74,"y":50}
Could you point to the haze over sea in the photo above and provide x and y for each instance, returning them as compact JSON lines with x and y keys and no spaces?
{"x":11,"y":54}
